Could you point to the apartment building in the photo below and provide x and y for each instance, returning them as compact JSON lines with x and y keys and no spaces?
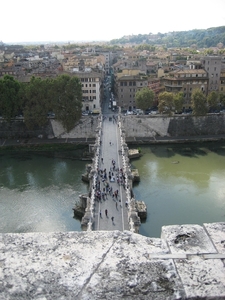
{"x":212,"y":65}
{"x":125,"y":89}
{"x":92,"y":87}
{"x":186,"y":81}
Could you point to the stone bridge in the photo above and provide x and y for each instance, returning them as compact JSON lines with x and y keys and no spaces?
{"x":110,"y":205}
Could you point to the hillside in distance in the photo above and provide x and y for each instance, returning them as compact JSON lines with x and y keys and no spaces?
{"x":202,"y":38}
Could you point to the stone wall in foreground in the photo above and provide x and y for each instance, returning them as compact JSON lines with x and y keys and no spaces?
{"x":187,"y":262}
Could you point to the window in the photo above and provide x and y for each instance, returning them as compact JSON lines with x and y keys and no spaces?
{"x":89,"y":84}
{"x":125,"y":83}
{"x":94,"y":85}
{"x":86,"y":79}
{"x":121,"y":83}
{"x":130,"y":83}
{"x":94,"y":97}
{"x":94,"y":91}
{"x":86,"y":85}
{"x":121,"y":90}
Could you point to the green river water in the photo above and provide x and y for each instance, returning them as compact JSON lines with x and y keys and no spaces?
{"x":181,"y":184}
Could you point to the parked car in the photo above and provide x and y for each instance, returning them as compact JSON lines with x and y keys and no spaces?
{"x":85,"y":113}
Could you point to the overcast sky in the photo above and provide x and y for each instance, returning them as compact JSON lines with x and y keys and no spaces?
{"x":95,"y":20}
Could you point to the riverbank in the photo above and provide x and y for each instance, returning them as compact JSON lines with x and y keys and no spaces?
{"x":48,"y":147}
{"x":174,"y":140}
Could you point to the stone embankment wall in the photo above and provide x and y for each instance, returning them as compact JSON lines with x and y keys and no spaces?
{"x":135,"y":128}
{"x":187,"y":262}
{"x":85,"y":129}
{"x":188,"y":126}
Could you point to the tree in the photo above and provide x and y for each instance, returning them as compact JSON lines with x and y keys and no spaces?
{"x":198,"y":102}
{"x":222,"y":99}
{"x":178,"y":101}
{"x":9,"y":97}
{"x":144,"y":98}
{"x":67,"y":100}
{"x":37,"y":102}
{"x":166,"y":104}
{"x":213,"y":101}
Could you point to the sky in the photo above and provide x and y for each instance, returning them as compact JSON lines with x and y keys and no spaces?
{"x":99,"y":20}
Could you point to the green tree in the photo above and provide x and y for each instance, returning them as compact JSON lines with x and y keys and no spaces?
{"x":144,"y":98}
{"x":9,"y":97}
{"x":213,"y":100}
{"x":222,"y":99}
{"x":178,"y":101}
{"x":166,"y":104}
{"x":198,"y":102}
{"x":67,"y":100}
{"x":37,"y":102}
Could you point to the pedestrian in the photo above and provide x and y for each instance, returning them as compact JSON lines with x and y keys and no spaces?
{"x":110,"y":143}
{"x":106,"y":213}
{"x":102,"y":159}
{"x":112,"y":219}
{"x":100,"y":213}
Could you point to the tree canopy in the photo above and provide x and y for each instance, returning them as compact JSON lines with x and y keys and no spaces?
{"x":166,"y":104}
{"x":67,"y":100}
{"x":199,"y":104}
{"x":61,"y":95}
{"x":9,"y":97}
{"x":202,"y":38}
{"x":36,"y":102}
{"x":178,"y":101}
{"x":213,"y":101}
{"x":144,"y":98}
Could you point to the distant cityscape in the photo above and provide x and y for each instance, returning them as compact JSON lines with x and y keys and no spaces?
{"x":131,"y":67}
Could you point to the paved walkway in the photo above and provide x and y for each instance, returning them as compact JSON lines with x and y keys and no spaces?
{"x":116,"y":208}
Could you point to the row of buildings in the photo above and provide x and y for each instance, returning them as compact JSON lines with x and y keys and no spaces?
{"x":130,"y":71}
{"x":206,"y":73}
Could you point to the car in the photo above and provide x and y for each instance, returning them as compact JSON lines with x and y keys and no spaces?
{"x":85,"y":113}
{"x":129,"y":112}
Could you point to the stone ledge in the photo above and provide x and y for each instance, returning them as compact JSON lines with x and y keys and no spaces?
{"x":114,"y":265}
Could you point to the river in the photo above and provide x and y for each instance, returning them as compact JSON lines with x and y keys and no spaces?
{"x":37,"y":192}
{"x":181,"y":184}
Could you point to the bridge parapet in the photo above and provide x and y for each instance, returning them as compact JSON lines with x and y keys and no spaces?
{"x":88,"y":218}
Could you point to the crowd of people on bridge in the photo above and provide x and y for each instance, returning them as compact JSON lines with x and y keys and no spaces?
{"x":102,"y":187}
